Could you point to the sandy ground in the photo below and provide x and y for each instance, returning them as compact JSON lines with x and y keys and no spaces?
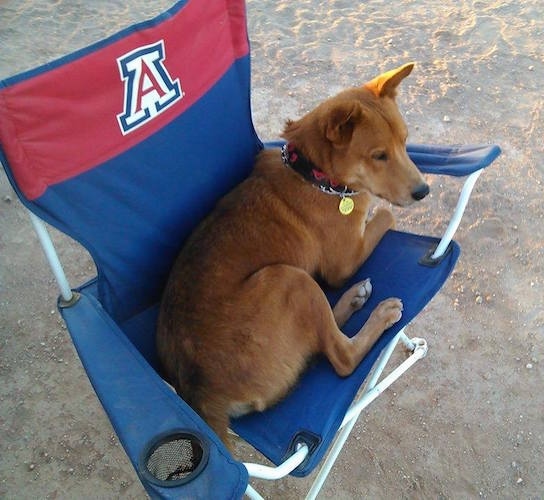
{"x":468,"y":421}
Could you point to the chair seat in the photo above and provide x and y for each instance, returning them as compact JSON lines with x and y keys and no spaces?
{"x":315,"y":408}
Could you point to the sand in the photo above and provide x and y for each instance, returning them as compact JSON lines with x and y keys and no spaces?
{"x":467,"y":422}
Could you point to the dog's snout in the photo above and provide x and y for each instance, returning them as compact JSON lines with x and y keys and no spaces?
{"x":420,"y":192}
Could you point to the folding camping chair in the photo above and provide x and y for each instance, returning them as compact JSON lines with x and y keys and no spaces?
{"x":125,"y":146}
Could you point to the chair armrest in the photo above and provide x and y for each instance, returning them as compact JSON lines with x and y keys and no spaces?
{"x":457,"y":161}
{"x":152,"y":422}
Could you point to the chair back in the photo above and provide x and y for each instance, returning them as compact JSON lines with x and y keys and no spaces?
{"x":127,"y":144}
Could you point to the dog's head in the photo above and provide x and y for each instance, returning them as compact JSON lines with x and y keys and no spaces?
{"x":358,"y":139}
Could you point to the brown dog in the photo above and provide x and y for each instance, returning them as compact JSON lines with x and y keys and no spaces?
{"x":242,"y":313}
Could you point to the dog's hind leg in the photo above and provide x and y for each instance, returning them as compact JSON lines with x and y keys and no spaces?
{"x":305,"y":324}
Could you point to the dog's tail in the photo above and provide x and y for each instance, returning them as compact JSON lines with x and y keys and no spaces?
{"x":211,"y":406}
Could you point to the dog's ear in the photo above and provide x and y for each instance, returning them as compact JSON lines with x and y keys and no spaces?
{"x":341,"y":120}
{"x":386,"y":84}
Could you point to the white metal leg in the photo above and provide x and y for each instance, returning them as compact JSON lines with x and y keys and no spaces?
{"x":376,"y":372}
{"x":253,"y":493}
{"x":339,"y":442}
{"x":52,"y":257}
{"x":372,"y":391}
{"x":457,"y":214}
{"x":407,"y":341}
{"x":271,"y":473}
{"x":369,"y":396}
{"x":266,"y":472}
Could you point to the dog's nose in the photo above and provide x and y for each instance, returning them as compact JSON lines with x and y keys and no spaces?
{"x":420,"y":192}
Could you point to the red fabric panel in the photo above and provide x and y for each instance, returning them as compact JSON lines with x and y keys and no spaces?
{"x":64,"y":121}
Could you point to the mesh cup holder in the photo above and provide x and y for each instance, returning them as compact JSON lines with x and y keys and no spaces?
{"x":175,"y":458}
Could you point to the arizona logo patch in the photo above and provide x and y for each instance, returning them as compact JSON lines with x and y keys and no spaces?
{"x":149,"y":88}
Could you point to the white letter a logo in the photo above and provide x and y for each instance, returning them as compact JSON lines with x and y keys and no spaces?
{"x":149,"y":89}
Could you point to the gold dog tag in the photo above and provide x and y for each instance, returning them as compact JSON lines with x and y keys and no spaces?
{"x":346,"y":206}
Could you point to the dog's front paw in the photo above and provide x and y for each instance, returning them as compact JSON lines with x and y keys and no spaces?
{"x":352,"y":301}
{"x":361,"y":292}
{"x":388,"y":312}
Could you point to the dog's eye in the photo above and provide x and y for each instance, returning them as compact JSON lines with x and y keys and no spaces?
{"x":380,"y":156}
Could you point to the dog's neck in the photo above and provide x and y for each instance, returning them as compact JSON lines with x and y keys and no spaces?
{"x":294,"y":159}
